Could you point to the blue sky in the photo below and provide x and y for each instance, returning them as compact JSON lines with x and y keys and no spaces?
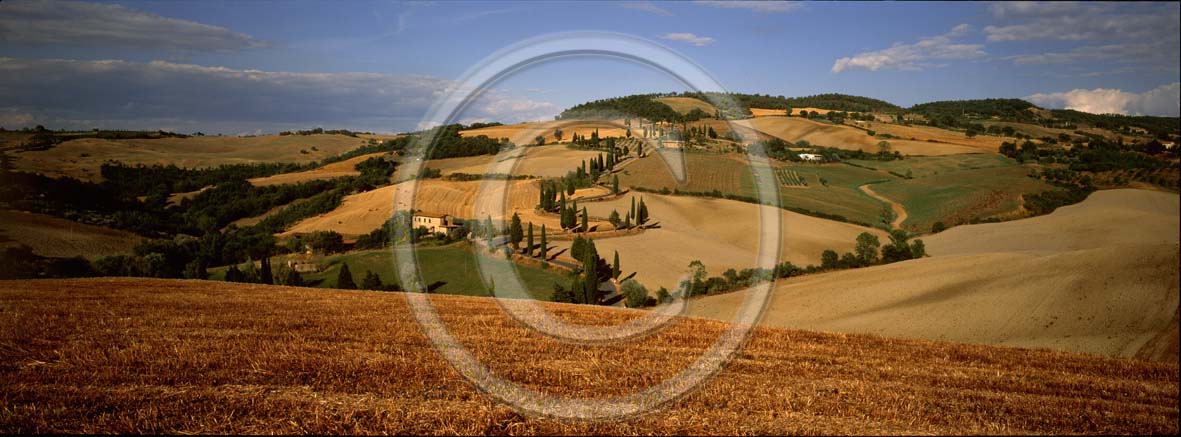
{"x":239,"y":67}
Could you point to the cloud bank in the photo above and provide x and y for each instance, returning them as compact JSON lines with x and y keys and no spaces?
{"x":1162,"y":101}
{"x":771,"y":7}
{"x":107,"y":25}
{"x":153,"y":95}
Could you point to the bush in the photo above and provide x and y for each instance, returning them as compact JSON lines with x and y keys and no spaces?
{"x":635,"y":293}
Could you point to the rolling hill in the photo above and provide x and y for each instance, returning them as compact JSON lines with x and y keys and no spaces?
{"x":1099,"y":277}
{"x":82,"y":158}
{"x":56,"y":237}
{"x":165,"y":356}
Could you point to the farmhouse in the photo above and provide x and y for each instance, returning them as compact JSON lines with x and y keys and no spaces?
{"x":434,"y":223}
{"x":672,"y":144}
{"x":811,"y":157}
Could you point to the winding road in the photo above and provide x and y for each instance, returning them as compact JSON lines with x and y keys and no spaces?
{"x":899,"y":211}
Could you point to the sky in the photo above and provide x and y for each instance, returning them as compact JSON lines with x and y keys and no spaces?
{"x":261,"y":67}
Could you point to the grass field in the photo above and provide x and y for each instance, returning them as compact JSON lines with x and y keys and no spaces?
{"x":926,"y":166}
{"x":525,"y":133}
{"x":836,"y":194}
{"x":447,"y":269}
{"x":83,"y":158}
{"x":124,"y":355}
{"x":543,"y":161}
{"x":958,"y":196}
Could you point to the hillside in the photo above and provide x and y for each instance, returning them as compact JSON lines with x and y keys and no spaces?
{"x":157,"y":356}
{"x":55,"y":237}
{"x":793,"y":129}
{"x":685,"y":105}
{"x":82,"y":158}
{"x":1098,"y":277}
{"x":333,"y":170}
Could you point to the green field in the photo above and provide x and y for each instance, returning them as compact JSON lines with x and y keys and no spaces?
{"x":926,"y":166}
{"x":447,"y":269}
{"x":824,"y":188}
{"x":959,"y":196}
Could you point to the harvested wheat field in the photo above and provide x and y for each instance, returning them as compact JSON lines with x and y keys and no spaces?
{"x":1109,"y":218}
{"x":55,"y":237}
{"x":844,"y":137}
{"x":720,"y":233}
{"x":83,"y":158}
{"x":364,"y":212}
{"x":542,"y":161}
{"x":158,"y":356}
{"x":333,"y":170}
{"x":685,"y":105}
{"x":526,"y":133}
{"x":1099,"y":277}
{"x":986,"y":143}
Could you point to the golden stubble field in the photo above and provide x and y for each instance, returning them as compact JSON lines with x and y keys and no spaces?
{"x":793,"y":129}
{"x":157,"y":356}
{"x":83,"y":158}
{"x":1099,"y":277}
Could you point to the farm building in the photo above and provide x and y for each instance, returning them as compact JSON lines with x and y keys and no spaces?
{"x":672,"y":144}
{"x":811,"y":157}
{"x":434,"y":223}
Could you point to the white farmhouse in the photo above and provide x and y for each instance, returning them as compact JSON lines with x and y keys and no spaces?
{"x":811,"y":157}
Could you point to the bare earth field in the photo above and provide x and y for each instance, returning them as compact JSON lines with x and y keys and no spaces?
{"x":543,"y":161}
{"x":525,"y":133}
{"x":52,"y":236}
{"x":793,"y":129}
{"x":720,"y":233}
{"x":155,"y":356}
{"x":83,"y":158}
{"x":1099,"y":277}
{"x":328,"y":171}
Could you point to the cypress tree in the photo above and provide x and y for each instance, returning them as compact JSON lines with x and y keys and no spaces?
{"x":529,"y":241}
{"x":344,"y":279}
{"x":584,"y":224}
{"x":515,"y":234}
{"x":264,"y":274}
{"x":632,"y":214}
{"x":615,"y":266}
{"x":615,"y":184}
{"x":543,"y":243}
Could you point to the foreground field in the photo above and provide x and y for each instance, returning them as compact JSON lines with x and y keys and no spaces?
{"x":83,"y":158}
{"x":155,"y":356}
{"x":52,"y":236}
{"x":1098,"y":277}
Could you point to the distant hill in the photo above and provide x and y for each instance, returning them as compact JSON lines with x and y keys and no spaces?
{"x":1010,"y":109}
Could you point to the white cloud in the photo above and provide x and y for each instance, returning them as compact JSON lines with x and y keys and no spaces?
{"x":1162,"y":100}
{"x":756,"y":6}
{"x":913,"y":56}
{"x":647,"y":7}
{"x":85,"y":94}
{"x":689,"y":38}
{"x":14,"y":118}
{"x":102,"y":25}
